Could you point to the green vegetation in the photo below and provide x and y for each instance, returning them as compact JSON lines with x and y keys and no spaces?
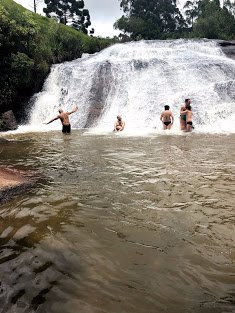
{"x":69,"y":11}
{"x":162,"y":19}
{"x":212,"y":21}
{"x":150,"y":19}
{"x":29,"y":44}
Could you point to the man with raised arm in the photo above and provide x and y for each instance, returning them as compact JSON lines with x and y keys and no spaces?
{"x":64,"y":118}
{"x":167,"y":118}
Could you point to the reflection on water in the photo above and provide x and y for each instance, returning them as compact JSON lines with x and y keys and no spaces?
{"x":120,"y":225}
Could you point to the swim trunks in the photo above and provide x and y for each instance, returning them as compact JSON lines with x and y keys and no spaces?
{"x":183,"y":117}
{"x":167,"y":123}
{"x":190,"y":123}
{"x":66,"y":129}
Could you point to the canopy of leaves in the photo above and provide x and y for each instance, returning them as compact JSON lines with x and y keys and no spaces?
{"x":208,"y":20}
{"x":70,"y":12}
{"x":150,"y":19}
{"x":160,"y":19}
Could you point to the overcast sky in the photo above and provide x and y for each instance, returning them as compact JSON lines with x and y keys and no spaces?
{"x":103,"y":14}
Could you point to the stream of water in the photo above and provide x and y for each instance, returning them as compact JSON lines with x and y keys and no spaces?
{"x":120,"y":224}
{"x":138,"y":222}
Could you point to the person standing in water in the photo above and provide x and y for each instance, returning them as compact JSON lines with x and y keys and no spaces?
{"x":189,"y":116}
{"x":119,"y":125}
{"x":167,"y":118}
{"x":183,"y":124}
{"x":64,"y":118}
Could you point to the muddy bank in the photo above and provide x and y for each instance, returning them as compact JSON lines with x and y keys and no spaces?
{"x":14,"y":182}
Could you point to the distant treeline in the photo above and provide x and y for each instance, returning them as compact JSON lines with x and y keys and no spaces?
{"x":162,"y":19}
{"x":29,"y":44}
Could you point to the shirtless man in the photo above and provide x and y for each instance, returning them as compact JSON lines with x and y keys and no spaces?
{"x":64,"y":118}
{"x":167,"y":118}
{"x":119,"y":125}
{"x":183,"y":114}
{"x":189,"y":115}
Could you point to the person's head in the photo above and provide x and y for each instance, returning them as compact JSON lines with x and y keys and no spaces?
{"x":60,"y":111}
{"x":188,"y":107}
{"x":187,"y":102}
{"x":167,"y":107}
{"x":119,"y":118}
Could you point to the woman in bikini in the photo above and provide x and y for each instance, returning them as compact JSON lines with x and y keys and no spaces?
{"x":167,"y":118}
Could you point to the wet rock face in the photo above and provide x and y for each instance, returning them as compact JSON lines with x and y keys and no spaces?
{"x":228,"y":48}
{"x":99,"y":92}
{"x":8,"y":121}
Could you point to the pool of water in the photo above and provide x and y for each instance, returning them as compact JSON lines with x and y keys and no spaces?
{"x":120,"y":224}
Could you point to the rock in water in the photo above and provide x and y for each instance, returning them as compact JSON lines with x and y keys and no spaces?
{"x":14,"y":182}
{"x":3,"y":140}
{"x":8,"y":121}
{"x":228,"y":48}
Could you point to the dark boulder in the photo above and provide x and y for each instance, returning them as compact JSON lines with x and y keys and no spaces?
{"x":8,"y":121}
{"x":228,"y":48}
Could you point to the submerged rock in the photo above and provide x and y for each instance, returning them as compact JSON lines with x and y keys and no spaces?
{"x":8,"y":121}
{"x":14,"y":182}
{"x":3,"y":140}
{"x":228,"y":48}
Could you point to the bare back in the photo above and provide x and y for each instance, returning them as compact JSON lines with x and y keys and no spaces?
{"x":166,"y":116}
{"x":64,"y":117}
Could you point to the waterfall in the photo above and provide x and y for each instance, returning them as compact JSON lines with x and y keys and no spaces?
{"x":136,"y":80}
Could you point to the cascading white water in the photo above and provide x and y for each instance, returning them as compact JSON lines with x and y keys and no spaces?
{"x":136,"y":80}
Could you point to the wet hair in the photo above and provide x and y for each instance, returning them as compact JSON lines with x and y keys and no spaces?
{"x":119,"y":117}
{"x":60,"y":111}
{"x":167,"y":107}
{"x":186,"y":100}
{"x":188,"y":107}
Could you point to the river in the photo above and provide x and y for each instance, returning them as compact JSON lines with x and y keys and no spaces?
{"x":141,"y":224}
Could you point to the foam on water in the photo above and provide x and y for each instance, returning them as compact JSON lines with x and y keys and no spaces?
{"x":136,"y":80}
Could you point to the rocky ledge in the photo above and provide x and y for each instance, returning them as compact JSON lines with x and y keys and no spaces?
{"x":8,"y":121}
{"x":14,"y":182}
{"x":228,"y":47}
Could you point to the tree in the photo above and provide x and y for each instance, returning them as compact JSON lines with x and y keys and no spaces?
{"x":69,"y":12}
{"x":92,"y":31}
{"x":35,"y":5}
{"x":150,"y":19}
{"x":191,"y":11}
{"x":214,"y":22}
{"x":230,"y":6}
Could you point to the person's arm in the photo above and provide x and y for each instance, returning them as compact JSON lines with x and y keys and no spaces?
{"x":52,"y":120}
{"x":161,"y":117}
{"x":123,"y":126}
{"x":172,"y":118}
{"x":183,"y":110}
{"x":73,"y":111}
{"x":186,"y":113}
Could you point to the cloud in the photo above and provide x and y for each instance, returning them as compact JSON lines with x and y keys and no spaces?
{"x":103,"y":15}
